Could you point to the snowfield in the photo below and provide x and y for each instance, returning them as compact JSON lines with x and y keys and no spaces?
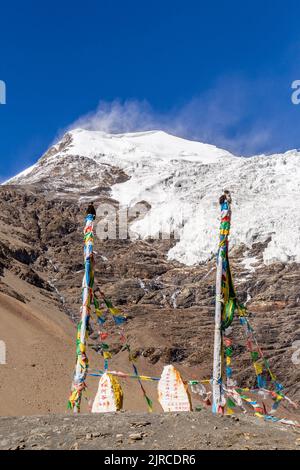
{"x":182,"y":181}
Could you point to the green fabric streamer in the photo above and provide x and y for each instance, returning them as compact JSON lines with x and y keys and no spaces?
{"x":228,"y":351}
{"x":150,"y":403}
{"x":254,"y":355}
{"x":108,"y":303}
{"x":230,"y":403}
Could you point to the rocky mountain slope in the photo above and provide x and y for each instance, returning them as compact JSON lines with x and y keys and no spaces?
{"x":166,"y":286}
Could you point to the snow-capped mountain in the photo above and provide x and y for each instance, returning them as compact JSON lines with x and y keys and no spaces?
{"x":181,"y":180}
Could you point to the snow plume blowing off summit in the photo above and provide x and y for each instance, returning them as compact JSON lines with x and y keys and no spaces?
{"x":207,"y":119}
{"x":225,"y":115}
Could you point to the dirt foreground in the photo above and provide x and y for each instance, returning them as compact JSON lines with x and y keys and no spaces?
{"x":132,"y":431}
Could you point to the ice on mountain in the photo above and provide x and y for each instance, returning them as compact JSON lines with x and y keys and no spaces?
{"x":182,"y":180}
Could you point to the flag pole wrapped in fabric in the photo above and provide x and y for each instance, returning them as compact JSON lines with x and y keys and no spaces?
{"x":222,"y":312}
{"x":226,"y":305}
{"x":79,"y":385}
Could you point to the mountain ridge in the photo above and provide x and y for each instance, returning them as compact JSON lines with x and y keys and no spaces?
{"x":181,"y":181}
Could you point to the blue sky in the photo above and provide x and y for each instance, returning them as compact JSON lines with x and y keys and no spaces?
{"x":217,"y":71}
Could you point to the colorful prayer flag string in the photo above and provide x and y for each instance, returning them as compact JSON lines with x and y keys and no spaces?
{"x":119,"y":320}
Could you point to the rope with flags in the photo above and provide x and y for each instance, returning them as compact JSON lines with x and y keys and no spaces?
{"x":227,"y":304}
{"x":119,"y":320}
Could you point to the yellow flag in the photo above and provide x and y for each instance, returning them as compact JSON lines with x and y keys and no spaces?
{"x":114,"y":311}
{"x":258,"y":368}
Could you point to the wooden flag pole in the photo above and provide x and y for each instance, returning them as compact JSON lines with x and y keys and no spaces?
{"x":225,"y":201}
{"x":217,"y":365}
{"x":79,"y":385}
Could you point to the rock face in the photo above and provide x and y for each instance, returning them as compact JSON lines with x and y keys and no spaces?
{"x":170,"y":306}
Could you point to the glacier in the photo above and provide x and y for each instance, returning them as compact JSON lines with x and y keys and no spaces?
{"x":182,"y":180}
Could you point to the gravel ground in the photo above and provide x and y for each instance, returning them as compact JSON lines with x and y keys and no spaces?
{"x":131,"y":431}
